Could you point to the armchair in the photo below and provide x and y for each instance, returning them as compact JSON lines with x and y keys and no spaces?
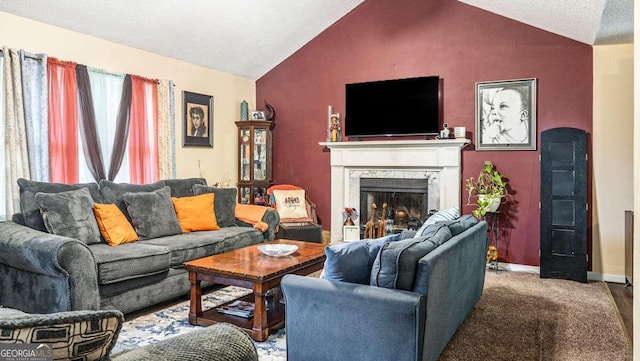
{"x":298,"y":219}
{"x":91,"y":335}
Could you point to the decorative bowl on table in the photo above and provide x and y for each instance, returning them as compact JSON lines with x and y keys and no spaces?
{"x":278,"y":250}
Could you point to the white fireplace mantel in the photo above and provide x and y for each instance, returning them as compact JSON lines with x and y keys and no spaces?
{"x":439,"y":161}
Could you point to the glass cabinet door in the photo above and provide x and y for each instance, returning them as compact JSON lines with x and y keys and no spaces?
{"x":254,"y":170}
{"x":245,"y":155}
{"x":260,"y":154}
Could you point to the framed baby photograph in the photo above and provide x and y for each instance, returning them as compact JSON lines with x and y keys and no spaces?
{"x":506,"y":115}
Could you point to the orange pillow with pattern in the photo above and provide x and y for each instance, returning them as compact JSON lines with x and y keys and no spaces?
{"x":196,"y":213}
{"x":113,"y":224}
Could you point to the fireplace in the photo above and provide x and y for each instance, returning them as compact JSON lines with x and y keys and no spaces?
{"x":405,"y":199}
{"x":436,"y":163}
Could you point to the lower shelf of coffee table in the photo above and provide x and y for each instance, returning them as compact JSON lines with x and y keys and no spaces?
{"x":275,"y":317}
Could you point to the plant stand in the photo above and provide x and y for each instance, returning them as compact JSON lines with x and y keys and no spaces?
{"x":493,"y":219}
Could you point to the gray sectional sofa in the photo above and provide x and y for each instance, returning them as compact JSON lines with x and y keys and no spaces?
{"x":389,"y":298}
{"x":43,"y":272}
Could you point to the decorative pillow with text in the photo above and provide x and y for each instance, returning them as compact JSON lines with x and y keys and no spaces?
{"x":291,"y":203}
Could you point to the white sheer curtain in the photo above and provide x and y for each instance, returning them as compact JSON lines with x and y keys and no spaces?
{"x":3,"y":168}
{"x":34,"y":92}
{"x":106,"y":91}
{"x":16,"y":157}
{"x":166,"y":133}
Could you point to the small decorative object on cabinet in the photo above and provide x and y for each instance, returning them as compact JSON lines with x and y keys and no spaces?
{"x":244,"y":110}
{"x":254,"y":169}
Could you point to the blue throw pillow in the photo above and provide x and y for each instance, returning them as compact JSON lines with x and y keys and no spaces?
{"x":351,"y":262}
{"x":448,"y":214}
{"x":396,"y":264}
{"x":461,"y":224}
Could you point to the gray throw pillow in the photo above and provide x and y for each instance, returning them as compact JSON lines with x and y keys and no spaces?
{"x":461,"y":224}
{"x":114,"y":192}
{"x":396,"y":264}
{"x":224,"y":203}
{"x":448,"y":214}
{"x":152,"y":213}
{"x":183,"y":187}
{"x":351,"y":262}
{"x":70,"y":214}
{"x":28,"y":206}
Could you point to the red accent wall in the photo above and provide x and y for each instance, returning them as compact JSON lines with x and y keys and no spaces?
{"x":389,"y":39}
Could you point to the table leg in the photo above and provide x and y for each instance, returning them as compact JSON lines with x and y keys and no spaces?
{"x":195,"y":305}
{"x":260,"y":330}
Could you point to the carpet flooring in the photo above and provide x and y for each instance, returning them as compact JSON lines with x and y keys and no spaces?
{"x":519,"y":317}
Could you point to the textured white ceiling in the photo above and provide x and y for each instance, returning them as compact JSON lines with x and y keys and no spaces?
{"x":249,"y":37}
{"x":591,"y":22}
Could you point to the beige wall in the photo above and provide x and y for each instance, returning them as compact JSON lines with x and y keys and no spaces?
{"x":612,"y":155}
{"x":636,"y":174}
{"x":228,"y":91}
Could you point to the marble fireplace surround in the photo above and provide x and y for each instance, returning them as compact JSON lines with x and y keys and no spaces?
{"x":439,"y":161}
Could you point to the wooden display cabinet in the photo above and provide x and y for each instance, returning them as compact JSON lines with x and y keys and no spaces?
{"x":254,"y":168}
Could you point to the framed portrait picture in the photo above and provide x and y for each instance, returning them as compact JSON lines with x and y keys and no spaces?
{"x":257,"y":115}
{"x":198,"y":120}
{"x":506,"y":115}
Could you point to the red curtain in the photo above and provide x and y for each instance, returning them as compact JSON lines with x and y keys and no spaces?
{"x":63,"y":121}
{"x":143,"y":135}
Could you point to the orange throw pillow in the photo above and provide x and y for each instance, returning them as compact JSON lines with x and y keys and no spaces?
{"x":196,"y":213}
{"x":114,"y":227}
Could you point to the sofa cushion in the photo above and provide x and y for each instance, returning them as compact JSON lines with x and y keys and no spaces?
{"x":129,"y":261}
{"x":195,"y":213}
{"x":396,"y":263}
{"x":224,"y":203}
{"x":152,"y":213}
{"x":114,"y":227}
{"x":448,"y":214}
{"x":189,"y":246}
{"x":114,"y":192}
{"x":70,"y":214}
{"x":29,"y":207}
{"x":351,"y":262}
{"x":183,"y":187}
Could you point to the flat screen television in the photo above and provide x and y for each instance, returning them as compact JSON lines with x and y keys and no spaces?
{"x":393,"y":107}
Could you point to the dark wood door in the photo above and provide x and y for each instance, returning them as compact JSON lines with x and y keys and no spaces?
{"x":563,"y":204}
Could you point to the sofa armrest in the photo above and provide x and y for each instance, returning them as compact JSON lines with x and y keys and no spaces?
{"x":73,"y":331}
{"x":221,"y":341}
{"x":461,"y":262}
{"x":60,"y":272}
{"x":324,"y":317}
{"x":271,"y":218}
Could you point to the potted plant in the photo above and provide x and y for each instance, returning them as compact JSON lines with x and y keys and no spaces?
{"x":488,"y":189}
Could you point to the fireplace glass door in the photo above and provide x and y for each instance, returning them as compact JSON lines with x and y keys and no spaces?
{"x":406,"y":199}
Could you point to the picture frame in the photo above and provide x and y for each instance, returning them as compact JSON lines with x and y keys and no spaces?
{"x":506,"y":114}
{"x":197,"y":120}
{"x":257,"y":115}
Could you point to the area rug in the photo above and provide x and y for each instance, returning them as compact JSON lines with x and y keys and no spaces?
{"x":173,"y":321}
{"x":519,"y":317}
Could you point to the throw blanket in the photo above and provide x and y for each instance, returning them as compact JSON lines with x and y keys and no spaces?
{"x":252,"y":214}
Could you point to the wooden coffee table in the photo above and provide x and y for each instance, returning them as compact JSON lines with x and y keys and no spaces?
{"x":249,"y":268}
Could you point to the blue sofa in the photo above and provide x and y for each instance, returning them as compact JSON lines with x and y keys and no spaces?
{"x":407,"y":311}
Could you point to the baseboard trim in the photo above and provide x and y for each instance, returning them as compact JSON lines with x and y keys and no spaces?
{"x":592,"y":276}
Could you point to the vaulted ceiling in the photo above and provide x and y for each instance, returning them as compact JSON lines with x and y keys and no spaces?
{"x":247,"y":38}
